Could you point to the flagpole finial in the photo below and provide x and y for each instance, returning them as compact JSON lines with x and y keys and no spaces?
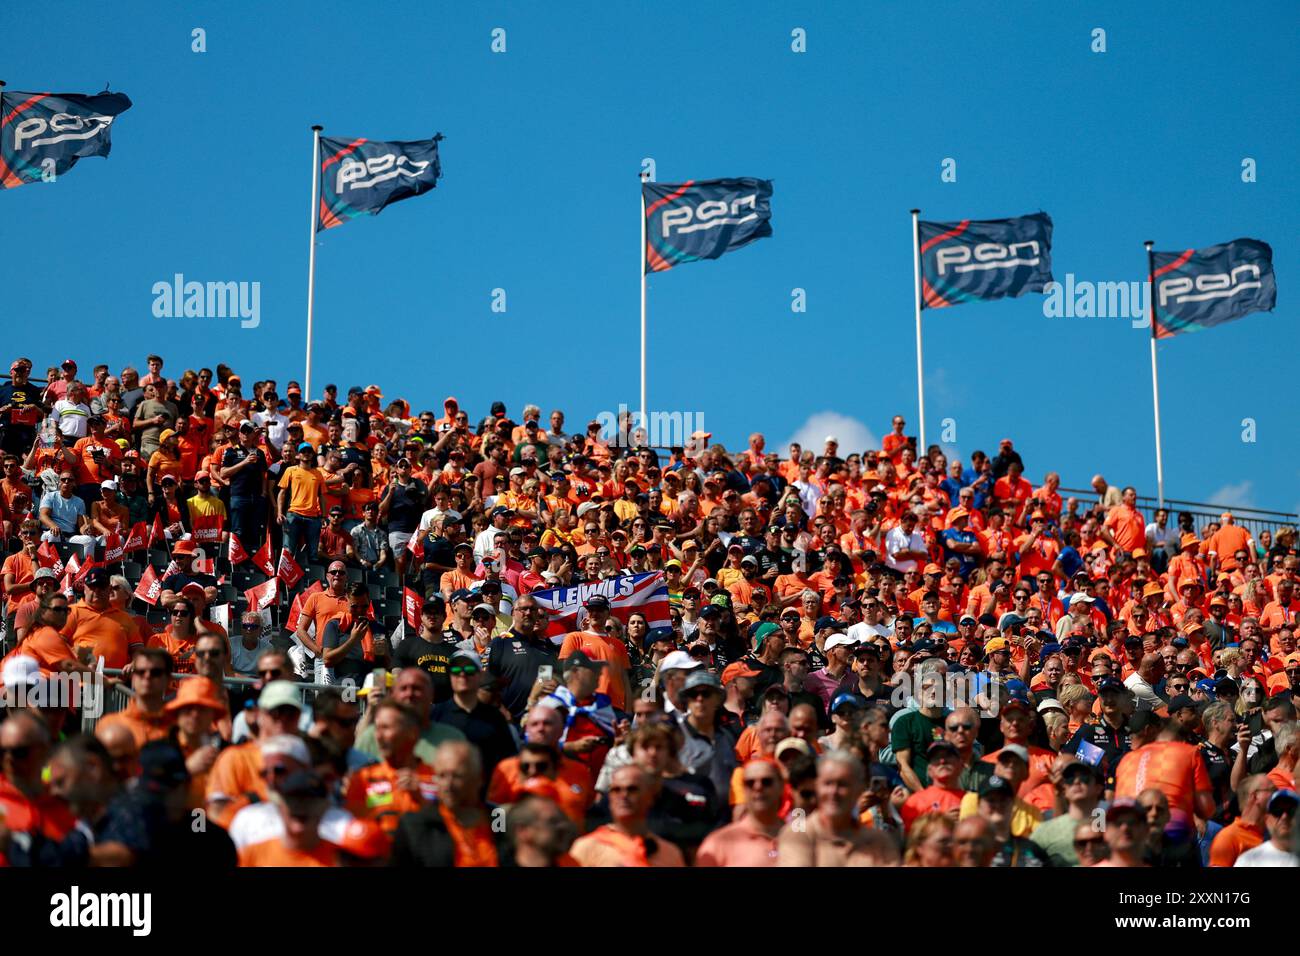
{"x":915,"y":212}
{"x":317,"y":128}
{"x":1148,"y":244}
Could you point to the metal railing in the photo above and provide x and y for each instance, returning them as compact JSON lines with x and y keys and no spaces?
{"x":119,"y":695}
{"x":1254,"y":520}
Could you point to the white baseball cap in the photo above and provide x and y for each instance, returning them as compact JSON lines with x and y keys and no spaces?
{"x":840,"y":640}
{"x":679,"y":661}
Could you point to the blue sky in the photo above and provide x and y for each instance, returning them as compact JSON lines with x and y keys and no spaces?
{"x":209,"y":177}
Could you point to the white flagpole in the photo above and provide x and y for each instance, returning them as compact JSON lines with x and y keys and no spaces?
{"x":311,"y":257}
{"x":643,"y":422}
{"x":1155,"y":379}
{"x":916,"y":281}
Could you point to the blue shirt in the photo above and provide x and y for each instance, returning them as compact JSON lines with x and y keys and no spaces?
{"x":1070,"y":561}
{"x":961,"y":537}
{"x":64,"y":511}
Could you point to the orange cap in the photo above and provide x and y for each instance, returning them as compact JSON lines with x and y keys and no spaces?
{"x":1189,"y":540}
{"x":197,"y":692}
{"x":364,"y":838}
{"x":737,"y":669}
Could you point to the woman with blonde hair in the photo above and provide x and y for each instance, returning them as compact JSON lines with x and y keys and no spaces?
{"x":929,"y":842}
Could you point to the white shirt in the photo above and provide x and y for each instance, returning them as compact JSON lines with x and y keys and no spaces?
{"x":486,"y":541}
{"x":244,"y":661}
{"x":1147,"y":698}
{"x":809,"y":495}
{"x":861,"y":631}
{"x":899,"y":540}
{"x":276,"y":425}
{"x":73,"y":419}
{"x":1266,"y":854}
{"x":260,"y":822}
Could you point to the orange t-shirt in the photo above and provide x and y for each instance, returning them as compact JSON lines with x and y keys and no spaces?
{"x":321,"y":608}
{"x":144,"y":727}
{"x":180,"y":648}
{"x":21,"y":567}
{"x":930,"y":800}
{"x":304,"y":486}
{"x":89,"y":471}
{"x":572,"y":784}
{"x":49,"y":647}
{"x":605,"y":846}
{"x":1175,"y":768}
{"x":162,"y":464}
{"x":1126,"y":526}
{"x":373,"y":793}
{"x":275,"y":853}
{"x":612,"y":651}
{"x":474,"y":845}
{"x":109,"y":633}
{"x":1037,"y":790}
{"x":235,"y":776}
{"x":1234,"y":840}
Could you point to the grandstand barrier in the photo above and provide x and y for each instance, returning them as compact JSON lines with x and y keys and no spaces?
{"x":118,"y":695}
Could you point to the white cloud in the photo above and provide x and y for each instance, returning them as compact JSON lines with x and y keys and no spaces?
{"x":852,"y":434}
{"x":1240,"y":495}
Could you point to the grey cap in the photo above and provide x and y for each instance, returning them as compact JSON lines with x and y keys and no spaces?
{"x":701,"y":678}
{"x":42,"y":573}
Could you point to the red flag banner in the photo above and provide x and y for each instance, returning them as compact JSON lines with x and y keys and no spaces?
{"x":263,"y":595}
{"x":235,"y":552}
{"x":112,"y":548}
{"x":48,"y":557}
{"x":411,"y":604}
{"x":150,"y":586}
{"x":262,"y":560}
{"x":288,"y":570}
{"x":84,"y":570}
{"x":157,"y":532}
{"x":416,"y":546}
{"x":65,"y":584}
{"x":566,"y":607}
{"x":138,"y":539}
{"x":295,"y":609}
{"x":73,"y":566}
{"x":207,"y":528}
{"x":172,"y":568}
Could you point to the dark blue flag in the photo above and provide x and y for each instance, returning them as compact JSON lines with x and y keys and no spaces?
{"x":359,"y":177}
{"x":42,"y":135}
{"x":703,"y":220}
{"x":972,"y":260}
{"x":1197,"y":289}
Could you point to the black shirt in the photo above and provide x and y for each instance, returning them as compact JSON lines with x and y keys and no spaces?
{"x":415,"y":651}
{"x":484,"y":727}
{"x":18,"y":424}
{"x":1218,"y":762}
{"x":405,"y":505}
{"x":513,"y":660}
{"x":250,"y":482}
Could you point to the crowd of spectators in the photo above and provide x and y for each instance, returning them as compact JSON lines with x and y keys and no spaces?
{"x":877,"y":657}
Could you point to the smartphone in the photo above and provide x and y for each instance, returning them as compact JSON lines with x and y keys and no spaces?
{"x":546,"y":672}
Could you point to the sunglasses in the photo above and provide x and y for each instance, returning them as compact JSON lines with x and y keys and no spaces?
{"x":963,"y":726}
{"x":534,"y":769}
{"x":181,"y":613}
{"x":151,"y":672}
{"x":465,"y":669}
{"x":1090,"y":843}
{"x":213,"y":652}
{"x":761,"y":782}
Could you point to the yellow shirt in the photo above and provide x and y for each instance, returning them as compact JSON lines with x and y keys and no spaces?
{"x":1024,"y":817}
{"x":304,"y":486}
